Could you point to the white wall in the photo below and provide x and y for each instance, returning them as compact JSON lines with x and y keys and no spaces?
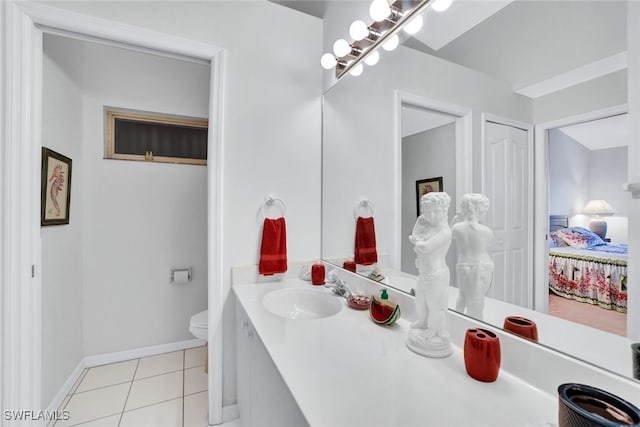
{"x":607,"y":174}
{"x":569,"y":182}
{"x":272,"y":120}
{"x":426,"y":154}
{"x":577,"y":175}
{"x":62,"y":249}
{"x":141,"y":219}
{"x":597,"y":94}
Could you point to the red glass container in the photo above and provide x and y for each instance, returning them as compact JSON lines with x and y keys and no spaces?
{"x":317,"y":274}
{"x":350,"y":265}
{"x":521,"y":326}
{"x":482,"y":354}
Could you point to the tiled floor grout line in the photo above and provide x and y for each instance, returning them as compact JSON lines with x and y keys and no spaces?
{"x":136,"y":379}
{"x":79,"y":381}
{"x":101,"y":387}
{"x":92,"y":420}
{"x":129,"y":392}
{"x":151,"y":404}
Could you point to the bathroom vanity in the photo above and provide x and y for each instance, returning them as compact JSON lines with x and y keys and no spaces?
{"x":344,"y":370}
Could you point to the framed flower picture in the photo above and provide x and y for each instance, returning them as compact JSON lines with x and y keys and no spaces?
{"x":55,"y":188}
{"x":424,"y":186}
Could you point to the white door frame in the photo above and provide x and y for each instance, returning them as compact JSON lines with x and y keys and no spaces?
{"x":528,"y":127}
{"x":541,"y":247}
{"x":23,"y":25}
{"x":463,"y":154}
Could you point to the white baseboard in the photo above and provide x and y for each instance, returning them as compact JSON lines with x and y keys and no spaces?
{"x":105,"y":359}
{"x":230,"y":413}
{"x":67,"y":386}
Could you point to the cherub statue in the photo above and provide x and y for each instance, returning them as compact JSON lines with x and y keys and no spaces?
{"x":431,"y":238}
{"x":474,"y":268}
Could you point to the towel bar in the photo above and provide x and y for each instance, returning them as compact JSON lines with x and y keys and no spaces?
{"x":271,"y":201}
{"x":364,"y":203}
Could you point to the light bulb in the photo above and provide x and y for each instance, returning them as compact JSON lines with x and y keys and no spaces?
{"x":358,"y":30}
{"x":392,"y":43}
{"x":341,"y":48}
{"x":414,"y":25}
{"x":441,"y":5}
{"x":357,"y":70}
{"x":379,"y":10}
{"x":372,"y":58}
{"x":328,"y":61}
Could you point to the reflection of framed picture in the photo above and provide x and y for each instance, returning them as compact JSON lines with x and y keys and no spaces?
{"x":425,"y":186}
{"x":55,"y":189}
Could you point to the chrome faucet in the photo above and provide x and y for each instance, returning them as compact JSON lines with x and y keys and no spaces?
{"x":339,"y":288}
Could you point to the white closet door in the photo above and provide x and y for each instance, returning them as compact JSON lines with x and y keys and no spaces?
{"x":506,"y":168}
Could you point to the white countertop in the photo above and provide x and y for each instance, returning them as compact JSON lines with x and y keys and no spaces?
{"x":613,"y":351}
{"x":345,"y":370}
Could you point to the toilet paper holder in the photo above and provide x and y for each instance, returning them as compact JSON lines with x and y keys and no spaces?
{"x":181,"y":275}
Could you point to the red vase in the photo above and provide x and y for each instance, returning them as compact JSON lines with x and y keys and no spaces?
{"x":482,"y":354}
{"x":521,"y":326}
{"x":350,"y":265}
{"x":317,"y":274}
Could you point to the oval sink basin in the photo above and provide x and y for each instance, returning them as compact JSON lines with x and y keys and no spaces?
{"x":302,"y":303}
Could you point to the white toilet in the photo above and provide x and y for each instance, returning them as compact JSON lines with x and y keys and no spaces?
{"x":199,"y":325}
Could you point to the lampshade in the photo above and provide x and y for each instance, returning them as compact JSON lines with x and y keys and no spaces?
{"x":598,"y":207}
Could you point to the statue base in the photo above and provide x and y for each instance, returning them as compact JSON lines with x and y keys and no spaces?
{"x":424,"y":343}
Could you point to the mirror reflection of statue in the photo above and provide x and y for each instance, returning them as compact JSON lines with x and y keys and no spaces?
{"x":431,"y":238}
{"x":474,"y":267}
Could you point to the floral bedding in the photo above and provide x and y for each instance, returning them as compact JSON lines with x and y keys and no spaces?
{"x":597,"y":277}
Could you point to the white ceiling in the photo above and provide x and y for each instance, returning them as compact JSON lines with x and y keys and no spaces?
{"x":416,"y":120}
{"x":531,"y":41}
{"x":462,"y":15}
{"x":599,"y":134}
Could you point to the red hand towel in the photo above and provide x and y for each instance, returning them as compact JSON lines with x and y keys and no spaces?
{"x":365,"y":251}
{"x":273,"y":251}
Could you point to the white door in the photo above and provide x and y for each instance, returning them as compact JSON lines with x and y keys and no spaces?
{"x":506,"y":170}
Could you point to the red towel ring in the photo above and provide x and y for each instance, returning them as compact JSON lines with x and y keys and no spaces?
{"x":365,"y":204}
{"x":270,"y":201}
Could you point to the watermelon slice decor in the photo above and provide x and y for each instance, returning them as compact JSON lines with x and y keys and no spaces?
{"x":382,"y":311}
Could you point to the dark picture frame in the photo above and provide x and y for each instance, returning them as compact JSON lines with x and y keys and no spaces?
{"x":55,"y":188}
{"x":424,"y":186}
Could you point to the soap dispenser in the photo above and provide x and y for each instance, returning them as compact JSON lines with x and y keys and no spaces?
{"x":382,"y":310}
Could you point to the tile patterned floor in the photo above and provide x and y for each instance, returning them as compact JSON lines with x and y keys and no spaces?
{"x":166,"y":390}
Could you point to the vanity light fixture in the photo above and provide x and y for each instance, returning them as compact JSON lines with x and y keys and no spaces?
{"x":441,"y":5}
{"x":392,"y":43}
{"x":379,"y":10}
{"x":414,"y":25}
{"x":388,"y":20}
{"x":372,"y":58}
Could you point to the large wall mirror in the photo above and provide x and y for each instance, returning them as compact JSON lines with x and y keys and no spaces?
{"x":454,"y":108}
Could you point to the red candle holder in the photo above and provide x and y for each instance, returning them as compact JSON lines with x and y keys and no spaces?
{"x":350,"y":265}
{"x":482,"y":354}
{"x":521,"y":326}
{"x":317,"y":274}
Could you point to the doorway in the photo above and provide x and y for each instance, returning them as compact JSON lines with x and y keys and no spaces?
{"x":588,"y":277}
{"x":508,"y":183}
{"x":429,"y":113}
{"x":22,"y":283}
